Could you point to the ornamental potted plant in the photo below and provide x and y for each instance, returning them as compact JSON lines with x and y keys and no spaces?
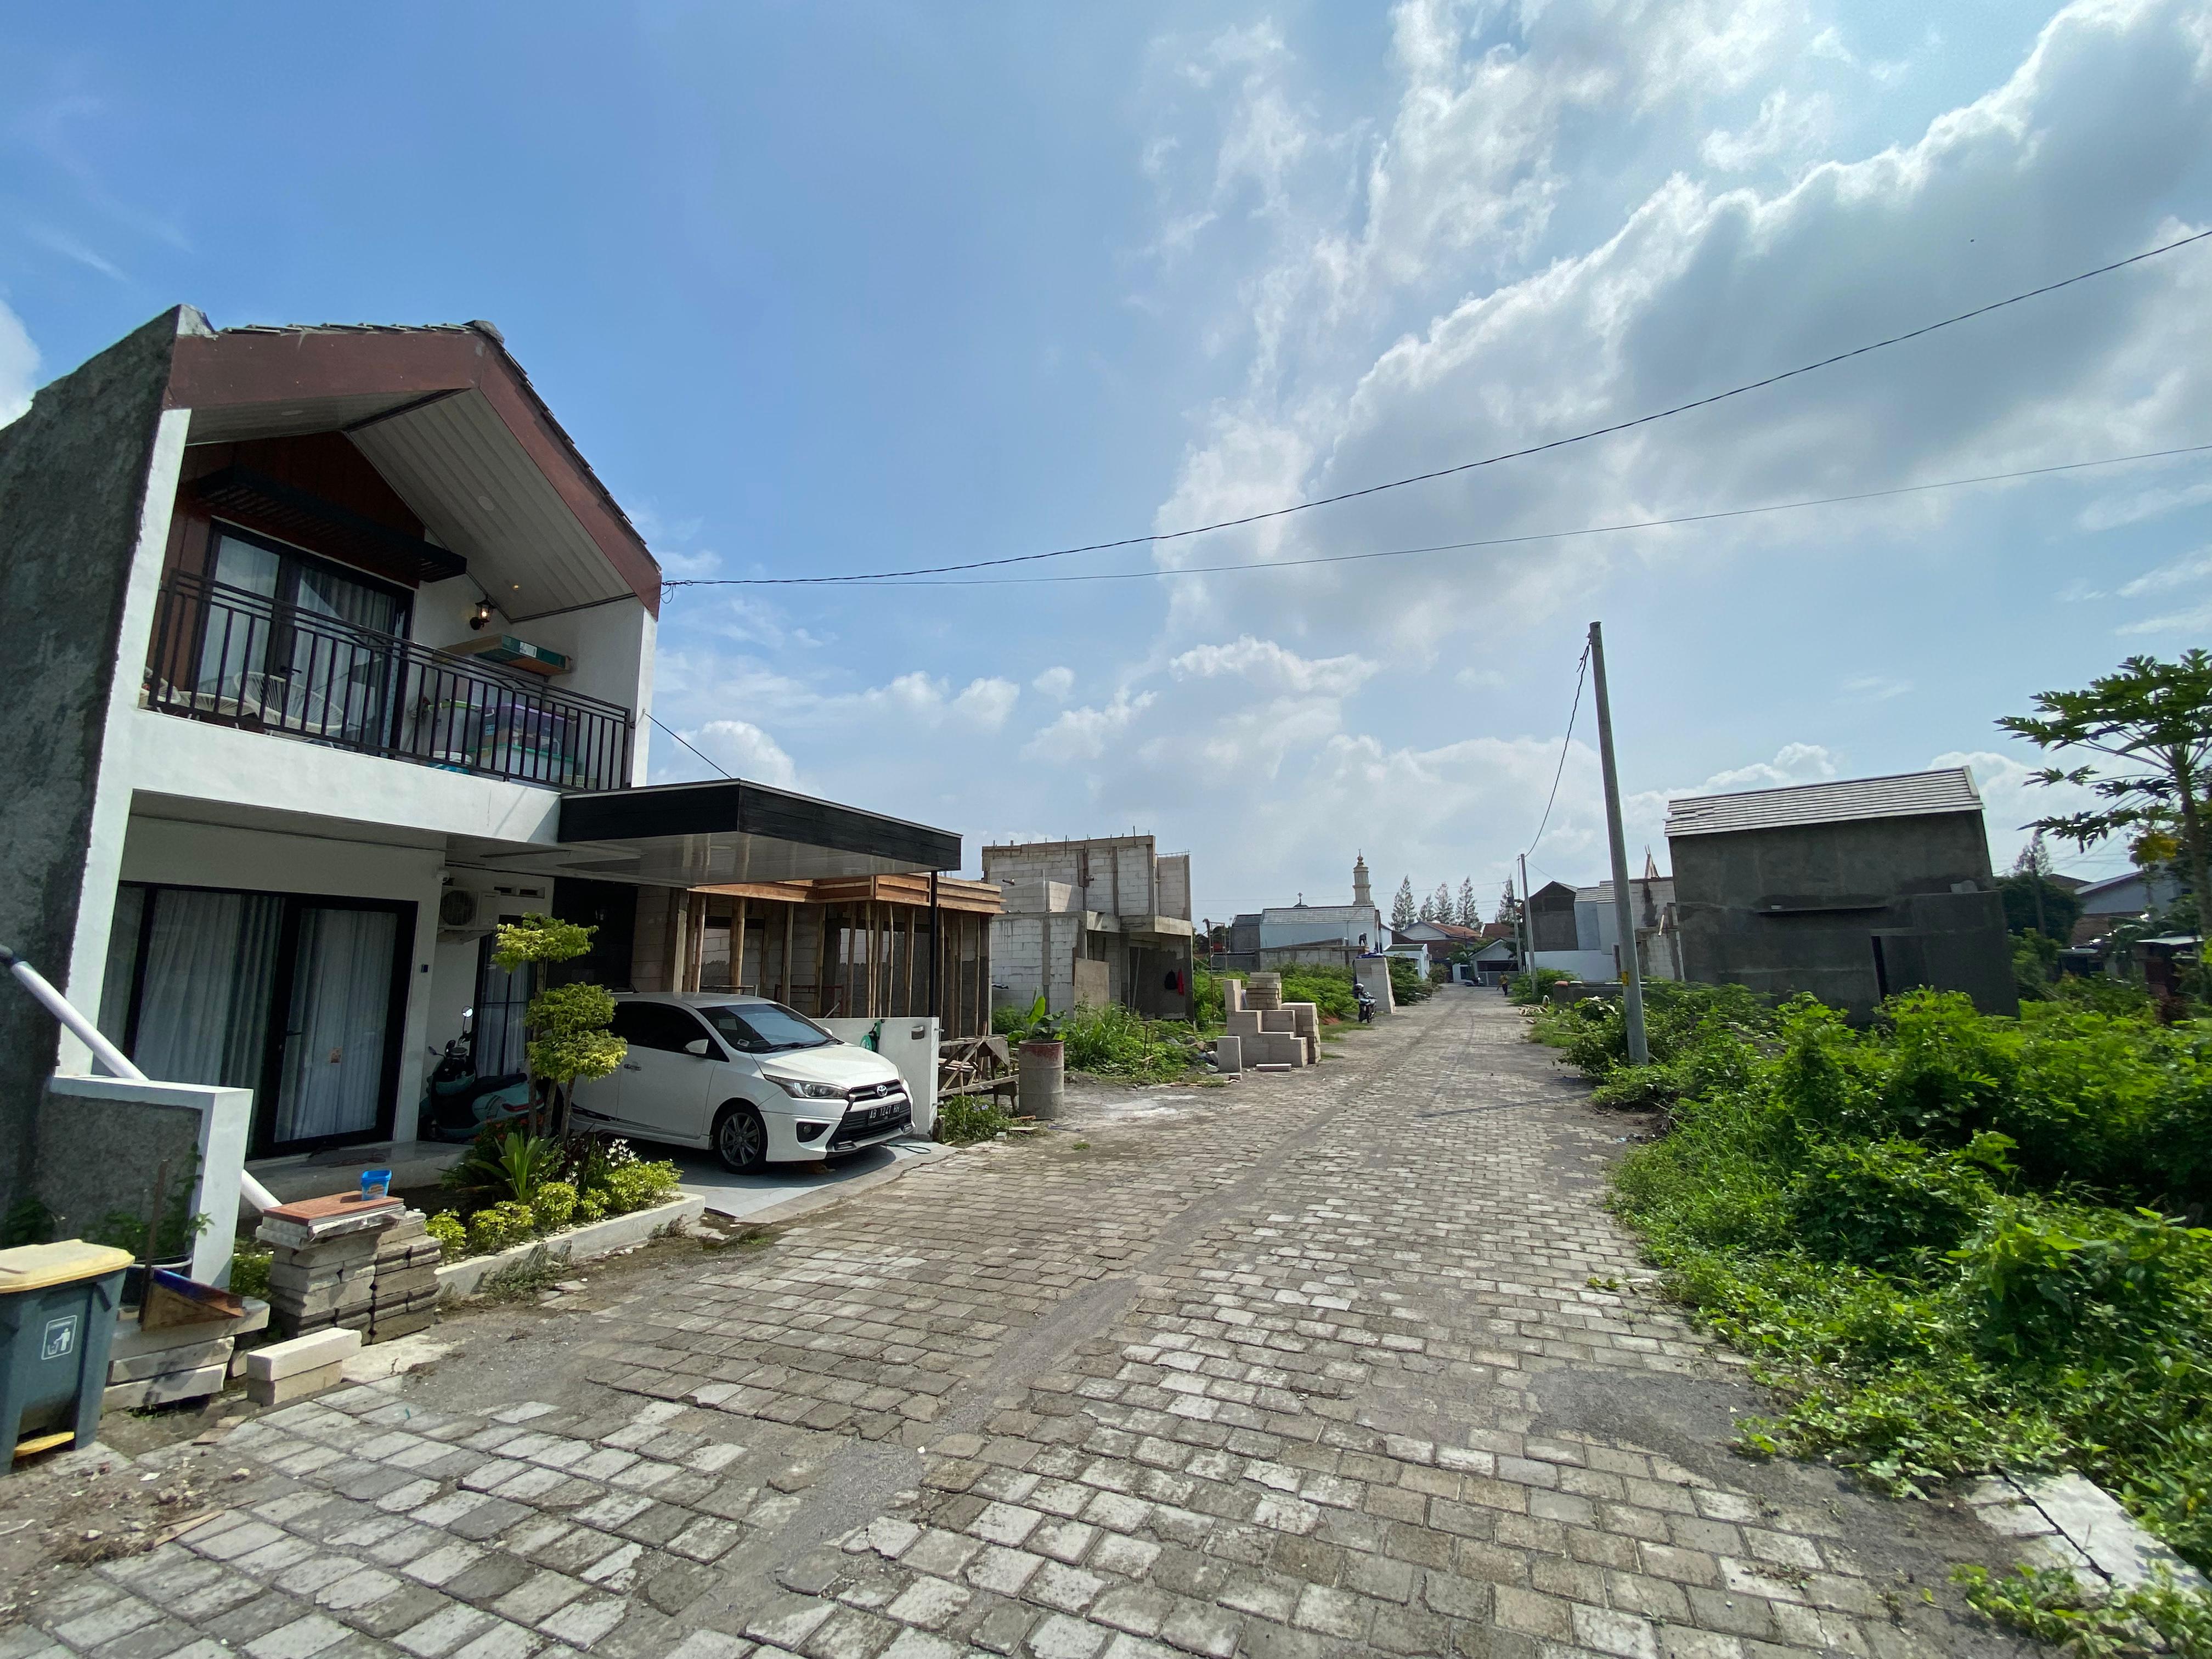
{"x":567,"y":1024}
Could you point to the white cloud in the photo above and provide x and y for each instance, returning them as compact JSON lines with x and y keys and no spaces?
{"x":2112,"y":511}
{"x":2073,"y":159}
{"x":1796,"y":762}
{"x":2183,"y":572}
{"x":2012,"y":799}
{"x":1785,"y":128}
{"x":744,"y":750}
{"x":1084,"y":734}
{"x":19,"y":366}
{"x":1268,"y":666}
{"x":1875,"y":688}
{"x":984,"y":702}
{"x":1054,"y":682}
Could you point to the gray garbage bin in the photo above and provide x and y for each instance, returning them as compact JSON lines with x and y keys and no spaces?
{"x":58,"y":1305}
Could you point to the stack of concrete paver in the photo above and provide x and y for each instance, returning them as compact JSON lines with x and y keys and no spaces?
{"x":285,"y":1371}
{"x":404,"y":1294}
{"x":1271,"y":1035}
{"x":366,"y":1264}
{"x":166,"y":1364}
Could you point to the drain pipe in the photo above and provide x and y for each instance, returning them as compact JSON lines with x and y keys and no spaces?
{"x":256,"y":1195}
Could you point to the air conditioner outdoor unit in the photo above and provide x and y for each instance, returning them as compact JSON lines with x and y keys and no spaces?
{"x":478,"y":901}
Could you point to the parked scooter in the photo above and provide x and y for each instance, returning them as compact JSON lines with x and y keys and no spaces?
{"x":1366,"y":1001}
{"x":457,"y":1104}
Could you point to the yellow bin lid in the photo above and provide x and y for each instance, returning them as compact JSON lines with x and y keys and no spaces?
{"x":34,"y":1267}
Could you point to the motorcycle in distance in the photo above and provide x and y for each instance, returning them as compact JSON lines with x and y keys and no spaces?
{"x":457,"y":1104}
{"x":1359,"y":994}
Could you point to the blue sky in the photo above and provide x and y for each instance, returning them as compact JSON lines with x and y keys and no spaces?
{"x":823,"y":290}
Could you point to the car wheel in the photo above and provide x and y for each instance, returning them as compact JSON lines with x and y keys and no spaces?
{"x":741,"y":1140}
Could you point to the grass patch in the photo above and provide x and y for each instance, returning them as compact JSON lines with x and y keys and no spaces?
{"x":1113,"y":1042}
{"x":966,"y":1119}
{"x":525,"y":1281}
{"x":1952,"y":1243}
{"x":2047,"y":1604}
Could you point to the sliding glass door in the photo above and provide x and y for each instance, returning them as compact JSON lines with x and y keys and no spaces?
{"x":301,"y":998}
{"x":299,"y":642}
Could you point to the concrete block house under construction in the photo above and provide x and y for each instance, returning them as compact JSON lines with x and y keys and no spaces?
{"x":332,"y":653}
{"x":1090,"y":923}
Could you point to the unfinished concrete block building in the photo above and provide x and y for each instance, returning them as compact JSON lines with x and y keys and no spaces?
{"x":1090,"y":923}
{"x":1852,"y":891}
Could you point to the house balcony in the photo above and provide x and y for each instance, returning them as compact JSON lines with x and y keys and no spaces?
{"x":230,"y":657}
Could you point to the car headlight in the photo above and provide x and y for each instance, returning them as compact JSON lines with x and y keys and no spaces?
{"x":798,"y":1090}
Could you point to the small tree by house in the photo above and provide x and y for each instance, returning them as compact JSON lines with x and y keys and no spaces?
{"x":1428,"y":910}
{"x":2034,"y":903}
{"x":1403,"y":913}
{"x":1509,"y":908}
{"x":2154,"y":721}
{"x":1441,"y":908}
{"x":1468,"y":914}
{"x":567,"y":1024}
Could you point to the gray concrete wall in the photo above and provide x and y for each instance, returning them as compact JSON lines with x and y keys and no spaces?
{"x":1173,"y":884}
{"x":92,"y":1163}
{"x":1552,"y":921}
{"x":72,"y":485}
{"x":1797,"y":909}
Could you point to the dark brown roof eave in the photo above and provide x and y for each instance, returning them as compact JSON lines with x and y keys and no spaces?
{"x":256,"y":364}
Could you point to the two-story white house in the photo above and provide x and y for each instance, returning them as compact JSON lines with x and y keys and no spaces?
{"x":331,"y":651}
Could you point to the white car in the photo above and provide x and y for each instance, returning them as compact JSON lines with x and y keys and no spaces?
{"x":755,"y":1081}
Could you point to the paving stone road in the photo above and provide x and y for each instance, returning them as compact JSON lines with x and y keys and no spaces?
{"x":1350,"y":1362}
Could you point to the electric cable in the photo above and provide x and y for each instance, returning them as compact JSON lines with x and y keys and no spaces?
{"x":1706,"y":402}
{"x":688,"y":743}
{"x":1582,"y":671}
{"x":1716,"y":515}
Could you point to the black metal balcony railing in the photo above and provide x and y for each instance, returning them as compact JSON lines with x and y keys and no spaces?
{"x":238,"y":658}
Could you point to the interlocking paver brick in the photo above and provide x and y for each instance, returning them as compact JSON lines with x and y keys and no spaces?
{"x":1352,"y":1360}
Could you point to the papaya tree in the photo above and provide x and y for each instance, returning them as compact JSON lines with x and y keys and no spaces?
{"x":569,"y":1041}
{"x":2153,"y":721}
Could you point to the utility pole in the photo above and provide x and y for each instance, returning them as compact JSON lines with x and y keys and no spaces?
{"x":1624,"y":916}
{"x":1528,"y":932}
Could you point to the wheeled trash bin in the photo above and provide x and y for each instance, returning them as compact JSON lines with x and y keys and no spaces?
{"x":58,"y":1307}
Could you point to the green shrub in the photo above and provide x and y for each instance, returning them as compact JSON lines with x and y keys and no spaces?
{"x":639,"y":1186}
{"x":1521,"y":989}
{"x":591,"y":1206}
{"x":500,"y":1227}
{"x":1009,"y":1022}
{"x":1926,"y":1235}
{"x":1637,"y":1088}
{"x":1878,"y":1202}
{"x":506,"y":1163}
{"x":968,"y":1118}
{"x":2046,"y":1279}
{"x":1209,"y":1003}
{"x":451,"y":1232}
{"x":249,"y":1272}
{"x":1407,"y":985}
{"x":553,"y":1206}
{"x":2095,"y":994}
{"x":1113,"y":1042}
{"x":591,"y":1157}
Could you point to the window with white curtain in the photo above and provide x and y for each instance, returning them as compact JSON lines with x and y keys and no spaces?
{"x":296,"y":997}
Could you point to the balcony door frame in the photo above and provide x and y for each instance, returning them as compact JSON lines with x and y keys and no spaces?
{"x":285,"y":604}
{"x":262,"y":1143}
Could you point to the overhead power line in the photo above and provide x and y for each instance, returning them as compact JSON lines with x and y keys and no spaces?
{"x":1706,"y":402}
{"x":688,"y":743}
{"x":1582,"y":669}
{"x":1158,"y":573}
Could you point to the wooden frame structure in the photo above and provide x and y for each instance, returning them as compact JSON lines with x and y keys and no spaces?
{"x":858,"y":947}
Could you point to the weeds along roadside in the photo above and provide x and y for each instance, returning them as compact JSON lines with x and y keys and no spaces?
{"x":1951,"y":1243}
